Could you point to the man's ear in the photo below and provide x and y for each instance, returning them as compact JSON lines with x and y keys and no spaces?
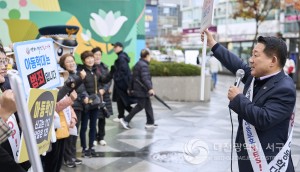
{"x":274,"y":61}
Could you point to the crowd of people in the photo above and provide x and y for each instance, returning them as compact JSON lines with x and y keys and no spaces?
{"x":83,"y":101}
{"x":264,"y":108}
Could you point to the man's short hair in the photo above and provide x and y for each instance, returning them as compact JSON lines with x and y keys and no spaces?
{"x":274,"y":46}
{"x":117,"y":44}
{"x":144,"y":53}
{"x":96,"y":49}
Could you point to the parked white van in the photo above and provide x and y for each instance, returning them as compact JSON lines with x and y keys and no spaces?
{"x":156,"y":55}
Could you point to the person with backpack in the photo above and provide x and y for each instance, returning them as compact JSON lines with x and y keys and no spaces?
{"x":141,"y":88}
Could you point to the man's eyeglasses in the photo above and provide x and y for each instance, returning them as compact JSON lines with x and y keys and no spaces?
{"x":4,"y":61}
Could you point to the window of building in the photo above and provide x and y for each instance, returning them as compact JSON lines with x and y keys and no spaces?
{"x":246,"y":49}
{"x":166,"y":11}
{"x":234,"y":47}
{"x":173,"y":12}
{"x":272,"y":15}
{"x":197,"y":3}
{"x":187,"y":15}
{"x":291,"y":27}
{"x":290,"y":10}
{"x":241,"y":49}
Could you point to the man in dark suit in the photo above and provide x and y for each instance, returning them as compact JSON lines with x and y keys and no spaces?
{"x":270,"y":113}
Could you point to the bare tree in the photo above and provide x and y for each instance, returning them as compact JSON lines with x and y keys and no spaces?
{"x":174,"y":39}
{"x":255,"y":9}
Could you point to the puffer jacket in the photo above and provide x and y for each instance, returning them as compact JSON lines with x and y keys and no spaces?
{"x":141,"y":73}
{"x":122,"y":77}
{"x":122,"y":72}
{"x":89,"y":81}
{"x":81,"y":92}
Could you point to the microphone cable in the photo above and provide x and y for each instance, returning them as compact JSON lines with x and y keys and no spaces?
{"x":240,"y":73}
{"x":231,"y":156}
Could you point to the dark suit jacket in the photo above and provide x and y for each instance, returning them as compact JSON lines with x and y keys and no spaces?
{"x":269,"y":112}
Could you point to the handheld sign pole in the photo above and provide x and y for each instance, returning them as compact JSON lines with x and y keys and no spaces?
{"x":203,"y":68}
{"x":206,"y":22}
{"x":25,"y":120}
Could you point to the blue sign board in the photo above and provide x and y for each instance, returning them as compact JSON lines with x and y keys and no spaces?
{"x":151,"y":20}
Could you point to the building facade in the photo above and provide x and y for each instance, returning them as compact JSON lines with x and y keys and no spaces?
{"x":238,"y":34}
{"x":167,"y":18}
{"x":191,"y":21}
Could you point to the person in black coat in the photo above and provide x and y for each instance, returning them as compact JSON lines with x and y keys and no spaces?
{"x":121,"y":78}
{"x":265,"y":108}
{"x":141,"y":75}
{"x":67,"y":62}
{"x":92,"y":86}
{"x":106,"y":111}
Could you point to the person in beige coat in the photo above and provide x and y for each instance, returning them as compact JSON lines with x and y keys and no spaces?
{"x":214,"y":66}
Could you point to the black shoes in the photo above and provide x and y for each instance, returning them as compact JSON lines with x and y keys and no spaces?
{"x":88,"y":153}
{"x":73,"y":163}
{"x":77,"y":161}
{"x":70,"y":164}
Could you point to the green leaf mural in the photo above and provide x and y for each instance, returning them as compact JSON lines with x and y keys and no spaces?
{"x":45,"y":18}
{"x":29,"y":30}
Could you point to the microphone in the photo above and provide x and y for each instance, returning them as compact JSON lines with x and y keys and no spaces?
{"x":239,"y":75}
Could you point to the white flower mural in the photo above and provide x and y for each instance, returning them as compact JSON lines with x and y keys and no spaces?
{"x":86,"y":36}
{"x":108,"y":24}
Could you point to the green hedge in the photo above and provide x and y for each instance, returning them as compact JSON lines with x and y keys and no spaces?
{"x":173,"y":69}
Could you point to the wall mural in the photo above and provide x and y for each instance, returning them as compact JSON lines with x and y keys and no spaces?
{"x":101,"y":23}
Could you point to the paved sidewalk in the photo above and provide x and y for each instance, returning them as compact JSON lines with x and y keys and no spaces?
{"x":190,"y":126}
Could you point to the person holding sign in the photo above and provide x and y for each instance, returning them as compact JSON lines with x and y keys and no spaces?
{"x":64,"y":134}
{"x":7,"y":163}
{"x":67,"y":62}
{"x":265,"y":108}
{"x":7,"y":108}
{"x":64,"y":38}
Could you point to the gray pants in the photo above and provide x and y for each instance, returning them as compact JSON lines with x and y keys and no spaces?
{"x":70,"y":144}
{"x":143,"y":103}
{"x":70,"y":150}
